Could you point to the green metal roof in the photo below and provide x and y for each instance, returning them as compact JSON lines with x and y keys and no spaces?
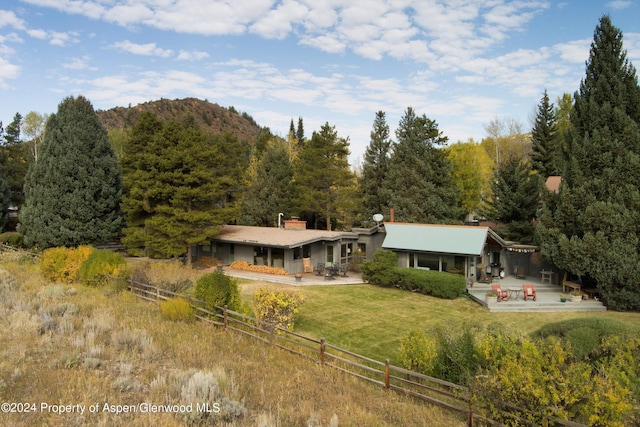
{"x":443,"y":239}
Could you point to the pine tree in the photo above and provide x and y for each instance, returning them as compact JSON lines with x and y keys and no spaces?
{"x":15,"y":160}
{"x":11,"y":134}
{"x":514,"y":202}
{"x":321,"y":172}
{"x":420,"y":186}
{"x":174,"y":197}
{"x":271,"y":189}
{"x":375,"y":167}
{"x":300,"y":132}
{"x":73,"y":191}
{"x":545,"y":140}
{"x":5,"y":202}
{"x":594,"y":229}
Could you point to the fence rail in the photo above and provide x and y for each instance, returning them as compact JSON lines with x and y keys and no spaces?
{"x":436,"y":391}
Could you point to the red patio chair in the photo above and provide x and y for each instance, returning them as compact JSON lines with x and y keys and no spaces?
{"x":528,"y":291}
{"x":502,"y":295}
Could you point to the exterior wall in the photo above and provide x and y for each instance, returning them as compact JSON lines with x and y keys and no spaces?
{"x":373,"y":242}
{"x":403,"y":259}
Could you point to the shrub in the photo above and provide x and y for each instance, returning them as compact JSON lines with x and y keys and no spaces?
{"x":216,"y":290}
{"x":101,"y":264}
{"x":277,"y":306}
{"x":584,"y":336}
{"x":435,"y":283}
{"x":172,"y":276}
{"x":542,"y":378}
{"x":176,"y":309}
{"x":63,"y":264}
{"x":12,"y":238}
{"x":382,"y":269}
{"x":417,"y":352}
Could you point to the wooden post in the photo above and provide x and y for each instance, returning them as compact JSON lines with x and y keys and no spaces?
{"x":224,"y":315}
{"x":157,"y":293}
{"x":386,"y":374}
{"x":470,"y":418}
{"x":322,"y":348}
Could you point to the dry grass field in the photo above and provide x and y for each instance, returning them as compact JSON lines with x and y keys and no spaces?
{"x":66,"y":349}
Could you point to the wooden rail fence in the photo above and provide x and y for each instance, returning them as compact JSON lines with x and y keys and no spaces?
{"x":448,"y":395}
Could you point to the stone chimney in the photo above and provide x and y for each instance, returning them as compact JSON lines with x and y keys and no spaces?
{"x":295,"y":224}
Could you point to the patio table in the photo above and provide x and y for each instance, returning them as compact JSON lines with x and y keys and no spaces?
{"x":513,"y":291}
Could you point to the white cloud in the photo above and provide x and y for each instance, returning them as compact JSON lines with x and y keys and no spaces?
{"x":8,"y":71}
{"x":79,"y":64}
{"x":146,"y":49}
{"x":193,"y":55}
{"x":9,"y":19}
{"x":620,"y":4}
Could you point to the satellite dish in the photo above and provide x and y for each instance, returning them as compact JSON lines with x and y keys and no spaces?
{"x":378,"y":217}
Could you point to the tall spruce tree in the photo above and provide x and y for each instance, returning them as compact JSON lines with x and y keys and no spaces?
{"x":300,"y":132}
{"x":594,"y":229}
{"x":174,"y":197}
{"x":375,"y":167}
{"x":546,"y":152}
{"x":15,"y":160}
{"x":271,"y":189}
{"x":419,"y":185}
{"x":514,"y":202}
{"x":321,"y":174}
{"x":73,"y":191}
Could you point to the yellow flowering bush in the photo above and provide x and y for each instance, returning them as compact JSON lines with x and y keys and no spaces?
{"x":277,"y":306}
{"x":62,"y":265}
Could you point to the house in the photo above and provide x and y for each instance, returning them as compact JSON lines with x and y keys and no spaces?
{"x":456,"y":249}
{"x":287,"y":247}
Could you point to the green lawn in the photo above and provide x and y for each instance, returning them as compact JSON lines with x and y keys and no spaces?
{"x":371,"y":320}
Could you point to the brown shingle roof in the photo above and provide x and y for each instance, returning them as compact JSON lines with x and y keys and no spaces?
{"x":278,"y":237}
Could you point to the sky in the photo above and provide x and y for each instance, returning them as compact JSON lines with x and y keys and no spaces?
{"x":462,"y":63}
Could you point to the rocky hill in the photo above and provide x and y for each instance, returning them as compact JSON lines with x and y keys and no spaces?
{"x":210,"y":117}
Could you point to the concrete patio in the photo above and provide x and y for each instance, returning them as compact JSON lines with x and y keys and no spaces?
{"x":548,"y":297}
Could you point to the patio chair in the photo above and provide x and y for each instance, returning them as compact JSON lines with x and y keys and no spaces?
{"x":502,"y":294}
{"x":306,"y":262}
{"x":528,"y":291}
{"x":320,"y":269}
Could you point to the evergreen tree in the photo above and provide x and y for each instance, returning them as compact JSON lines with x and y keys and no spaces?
{"x":5,"y":202}
{"x":270,"y":188}
{"x":73,"y":191}
{"x":420,"y":185}
{"x":321,"y":172}
{"x":375,"y":167}
{"x":514,"y":203}
{"x":545,"y":140}
{"x":11,"y":135}
{"x":594,"y":229}
{"x":300,"y":132}
{"x":174,"y":197}
{"x":15,"y":160}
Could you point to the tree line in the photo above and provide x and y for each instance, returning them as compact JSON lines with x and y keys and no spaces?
{"x":173,"y":185}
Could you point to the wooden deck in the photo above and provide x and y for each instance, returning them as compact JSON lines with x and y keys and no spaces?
{"x":548,"y":297}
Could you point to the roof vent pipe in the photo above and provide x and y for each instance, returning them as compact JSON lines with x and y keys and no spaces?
{"x":280,"y":215}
